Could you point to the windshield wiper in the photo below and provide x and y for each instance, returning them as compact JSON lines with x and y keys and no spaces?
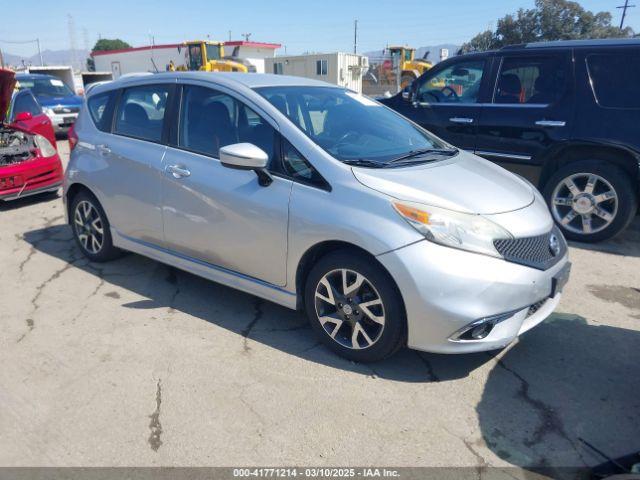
{"x":361,"y":162}
{"x":449,"y":152}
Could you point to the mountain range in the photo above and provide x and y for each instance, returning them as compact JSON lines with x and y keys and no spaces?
{"x":49,"y":57}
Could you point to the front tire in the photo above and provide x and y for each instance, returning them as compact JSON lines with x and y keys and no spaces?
{"x":354,"y":307}
{"x":591,"y":200}
{"x":91,"y":229}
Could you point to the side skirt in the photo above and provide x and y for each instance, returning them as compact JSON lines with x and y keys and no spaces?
{"x":206,"y":270}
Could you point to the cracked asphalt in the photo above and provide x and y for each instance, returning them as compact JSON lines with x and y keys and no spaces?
{"x":135,"y":363}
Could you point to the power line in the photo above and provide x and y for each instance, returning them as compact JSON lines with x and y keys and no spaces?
{"x":624,"y":7}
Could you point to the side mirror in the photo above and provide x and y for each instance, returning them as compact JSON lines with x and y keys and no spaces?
{"x":246,"y":156}
{"x":23,"y":116}
{"x":407,"y":93}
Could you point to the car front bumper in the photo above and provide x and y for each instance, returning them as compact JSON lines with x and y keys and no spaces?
{"x":34,"y":176}
{"x":445,"y":290}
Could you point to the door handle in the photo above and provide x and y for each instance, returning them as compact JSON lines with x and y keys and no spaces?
{"x":461,"y":120}
{"x":551,"y":123}
{"x":178,"y":171}
{"x":103,"y":149}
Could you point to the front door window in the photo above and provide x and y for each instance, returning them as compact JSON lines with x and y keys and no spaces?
{"x":459,"y":83}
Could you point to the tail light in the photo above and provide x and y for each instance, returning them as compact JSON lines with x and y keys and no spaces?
{"x":73,"y":138}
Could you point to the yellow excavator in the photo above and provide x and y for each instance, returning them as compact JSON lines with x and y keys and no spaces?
{"x":207,"y":56}
{"x":410,"y":67}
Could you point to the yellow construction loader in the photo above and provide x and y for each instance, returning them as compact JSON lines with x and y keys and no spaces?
{"x":410,"y":68}
{"x":206,"y":56}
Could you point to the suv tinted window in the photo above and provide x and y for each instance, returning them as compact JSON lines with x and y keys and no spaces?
{"x":459,"y":83}
{"x":25,"y":102}
{"x":532,"y":80}
{"x":98,"y":108}
{"x":141,"y":112}
{"x":210,"y":120}
{"x":614,"y":78}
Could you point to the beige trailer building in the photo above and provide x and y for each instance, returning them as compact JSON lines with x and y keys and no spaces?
{"x":339,"y":68}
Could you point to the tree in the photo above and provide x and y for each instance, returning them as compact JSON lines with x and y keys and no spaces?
{"x":102,"y":45}
{"x":549,"y":20}
{"x":109,"y":44}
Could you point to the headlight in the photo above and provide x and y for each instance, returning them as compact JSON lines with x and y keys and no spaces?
{"x":453,"y":229}
{"x":48,"y":111}
{"x":45,"y":147}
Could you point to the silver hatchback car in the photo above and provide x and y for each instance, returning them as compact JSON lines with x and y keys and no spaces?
{"x":316,"y":198}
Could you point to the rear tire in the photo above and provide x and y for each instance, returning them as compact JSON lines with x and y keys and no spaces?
{"x":591,"y":200}
{"x":91,"y":229}
{"x":364,"y":322}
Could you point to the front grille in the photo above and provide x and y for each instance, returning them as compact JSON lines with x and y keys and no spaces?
{"x":66,"y":110}
{"x":534,"y":252}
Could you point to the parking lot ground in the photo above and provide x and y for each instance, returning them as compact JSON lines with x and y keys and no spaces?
{"x":134,"y":363}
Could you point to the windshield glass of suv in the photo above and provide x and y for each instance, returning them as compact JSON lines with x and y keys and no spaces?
{"x":350,"y":126}
{"x":47,"y":87}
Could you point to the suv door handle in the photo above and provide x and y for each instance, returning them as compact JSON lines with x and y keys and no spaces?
{"x":103,"y":149}
{"x":461,"y":120}
{"x":551,"y":123}
{"x":178,"y":171}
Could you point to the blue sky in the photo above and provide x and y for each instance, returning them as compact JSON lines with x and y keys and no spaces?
{"x":320,"y":25}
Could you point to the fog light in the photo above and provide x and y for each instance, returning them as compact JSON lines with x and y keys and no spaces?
{"x":480,"y":329}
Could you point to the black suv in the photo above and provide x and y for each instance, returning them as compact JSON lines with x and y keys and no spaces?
{"x":565,"y":115}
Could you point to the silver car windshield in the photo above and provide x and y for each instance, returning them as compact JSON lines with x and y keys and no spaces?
{"x":354,"y":128}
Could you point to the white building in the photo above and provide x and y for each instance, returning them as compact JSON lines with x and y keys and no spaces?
{"x":155,"y":58}
{"x":343,"y":69}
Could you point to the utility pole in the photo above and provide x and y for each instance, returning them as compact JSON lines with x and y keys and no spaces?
{"x":39,"y":52}
{"x":355,"y":36}
{"x":229,"y":35}
{"x":624,"y":8}
{"x":246,"y":36}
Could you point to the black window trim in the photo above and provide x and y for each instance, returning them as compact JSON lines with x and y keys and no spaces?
{"x":165,"y":125}
{"x":523,"y":55}
{"x":591,"y":83}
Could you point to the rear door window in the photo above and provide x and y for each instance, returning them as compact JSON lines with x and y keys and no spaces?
{"x":614,"y":79}
{"x":531,"y":80}
{"x":141,"y":112}
{"x":101,"y":110}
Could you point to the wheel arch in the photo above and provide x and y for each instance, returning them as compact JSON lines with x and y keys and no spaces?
{"x":573,"y":152}
{"x":319,"y":250}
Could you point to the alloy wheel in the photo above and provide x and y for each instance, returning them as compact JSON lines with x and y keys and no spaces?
{"x":89,"y":227}
{"x":349,"y":309}
{"x":584,"y":203}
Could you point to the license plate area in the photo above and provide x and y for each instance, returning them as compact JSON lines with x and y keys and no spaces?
{"x":560,"y":279}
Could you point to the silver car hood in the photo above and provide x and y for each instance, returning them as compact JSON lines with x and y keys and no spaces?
{"x":465,"y":183}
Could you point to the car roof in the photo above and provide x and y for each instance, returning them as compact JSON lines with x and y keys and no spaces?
{"x":603,"y":42}
{"x":230,"y":79}
{"x":32,"y":76}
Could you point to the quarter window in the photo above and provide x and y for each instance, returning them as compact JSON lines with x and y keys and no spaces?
{"x":210,"y":120}
{"x":459,"y":83}
{"x":297,"y":167}
{"x":614,"y":79}
{"x":141,"y":112}
{"x":98,"y":105}
{"x":531,"y":80}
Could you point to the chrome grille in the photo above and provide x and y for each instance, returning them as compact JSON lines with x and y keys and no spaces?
{"x":532,"y":251}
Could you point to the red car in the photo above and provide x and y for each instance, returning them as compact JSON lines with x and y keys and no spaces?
{"x":29,"y":161}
